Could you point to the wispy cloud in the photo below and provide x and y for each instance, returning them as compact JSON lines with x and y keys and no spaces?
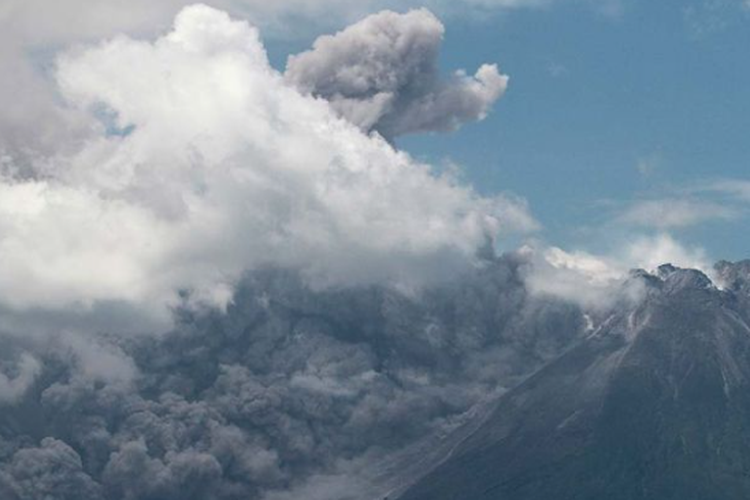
{"x":706,"y":17}
{"x":737,"y":189}
{"x":639,"y":234}
{"x":674,"y":213}
{"x":649,"y":164}
{"x":597,"y":280}
{"x":226,"y":167}
{"x":557,"y":70}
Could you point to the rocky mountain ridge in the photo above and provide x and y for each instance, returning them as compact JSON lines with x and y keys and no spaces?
{"x":652,"y":405}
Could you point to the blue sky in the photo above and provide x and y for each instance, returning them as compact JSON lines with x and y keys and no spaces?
{"x":605,"y":110}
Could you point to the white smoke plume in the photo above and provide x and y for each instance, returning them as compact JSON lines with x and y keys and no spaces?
{"x":205,"y":164}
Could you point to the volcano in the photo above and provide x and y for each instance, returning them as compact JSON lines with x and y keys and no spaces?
{"x":654,"y":404}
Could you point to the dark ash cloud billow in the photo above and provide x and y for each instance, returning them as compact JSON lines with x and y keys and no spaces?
{"x":382,"y":74}
{"x":291,"y":393}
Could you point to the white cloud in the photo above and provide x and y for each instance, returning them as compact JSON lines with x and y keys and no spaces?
{"x":578,"y":277}
{"x":597,"y":270}
{"x":33,"y":118}
{"x":650,"y":252}
{"x":226,"y":168}
{"x":597,"y":281}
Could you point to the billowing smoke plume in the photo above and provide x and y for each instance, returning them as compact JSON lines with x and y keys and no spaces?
{"x":33,"y":122}
{"x":204,"y":164}
{"x":382,"y":75}
{"x":292,"y":393}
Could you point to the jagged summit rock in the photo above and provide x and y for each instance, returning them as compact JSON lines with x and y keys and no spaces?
{"x":653,"y":405}
{"x":669,"y":278}
{"x":675,"y":278}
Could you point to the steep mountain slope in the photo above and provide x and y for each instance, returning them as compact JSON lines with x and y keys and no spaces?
{"x":653,"y":405}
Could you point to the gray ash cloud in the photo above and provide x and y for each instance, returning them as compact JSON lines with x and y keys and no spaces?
{"x":290,"y":393}
{"x":382,"y":74}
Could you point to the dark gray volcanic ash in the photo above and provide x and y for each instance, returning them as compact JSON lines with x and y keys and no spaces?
{"x":292,"y":393}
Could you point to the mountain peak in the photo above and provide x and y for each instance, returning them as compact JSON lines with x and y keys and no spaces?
{"x":669,"y":279}
{"x":676,"y":279}
{"x":651,"y":407}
